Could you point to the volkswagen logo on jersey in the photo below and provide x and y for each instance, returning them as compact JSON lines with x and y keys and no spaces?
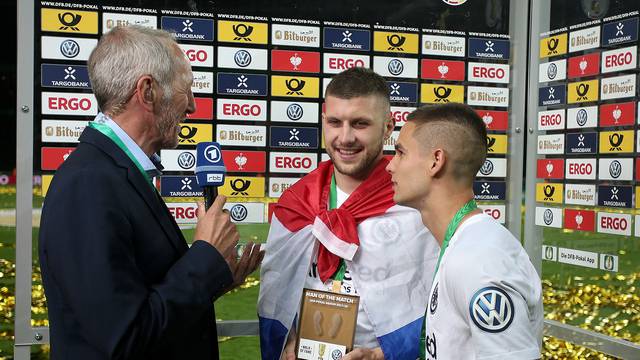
{"x":615,"y":169}
{"x":294,"y":112}
{"x":242,"y":58}
{"x":433,"y":304}
{"x":69,"y":48}
{"x":487,"y":168}
{"x":491,"y":309}
{"x":186,"y":160}
{"x":395,"y":67}
{"x":238,"y":212}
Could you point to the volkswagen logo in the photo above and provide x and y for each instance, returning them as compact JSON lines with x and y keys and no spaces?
{"x":491,"y":309}
{"x":548,"y":217}
{"x":552,"y":71}
{"x":487,"y":167}
{"x":242,"y":58}
{"x":186,"y":160}
{"x":581,"y":117}
{"x":336,"y":354}
{"x":615,"y":169}
{"x":395,"y":67}
{"x":294,"y":112}
{"x":69,"y":48}
{"x":238,"y":212}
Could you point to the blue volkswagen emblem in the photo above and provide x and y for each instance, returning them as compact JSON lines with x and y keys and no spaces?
{"x":487,"y":167}
{"x":491,"y":309}
{"x":581,"y":117}
{"x":294,"y":112}
{"x":238,"y":212}
{"x":615,"y":169}
{"x":186,"y":160}
{"x":548,"y":217}
{"x":69,"y":48}
{"x":242,"y":58}
{"x":395,"y":67}
{"x":552,"y":71}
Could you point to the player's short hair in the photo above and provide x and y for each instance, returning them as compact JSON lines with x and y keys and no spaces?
{"x":357,"y":82}
{"x":459,"y":130}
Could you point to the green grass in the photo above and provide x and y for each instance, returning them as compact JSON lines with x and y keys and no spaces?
{"x":590,"y":297}
{"x":8,"y":200}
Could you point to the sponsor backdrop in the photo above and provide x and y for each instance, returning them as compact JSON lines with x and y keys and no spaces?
{"x":588,"y":115}
{"x":259,"y":83}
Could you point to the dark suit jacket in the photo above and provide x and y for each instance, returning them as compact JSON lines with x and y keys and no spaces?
{"x":120,"y":280}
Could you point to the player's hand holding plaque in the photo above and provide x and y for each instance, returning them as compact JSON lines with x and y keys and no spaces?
{"x":327,"y":325}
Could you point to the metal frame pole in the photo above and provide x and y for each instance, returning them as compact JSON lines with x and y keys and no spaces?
{"x":25,"y":335}
{"x":518,"y":10}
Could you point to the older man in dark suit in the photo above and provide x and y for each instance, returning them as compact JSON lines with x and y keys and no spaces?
{"x":120,"y":280}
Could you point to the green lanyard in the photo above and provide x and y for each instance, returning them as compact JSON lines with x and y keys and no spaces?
{"x":333,"y":203}
{"x":106,"y":131}
{"x":465,"y":210}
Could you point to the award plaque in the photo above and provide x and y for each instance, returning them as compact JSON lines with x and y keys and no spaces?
{"x":327,"y":325}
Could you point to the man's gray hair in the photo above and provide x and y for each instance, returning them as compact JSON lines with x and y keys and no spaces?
{"x":122,"y":56}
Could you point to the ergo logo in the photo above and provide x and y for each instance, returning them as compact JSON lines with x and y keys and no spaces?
{"x":400,"y":116}
{"x":580,"y":169}
{"x":338,"y":63}
{"x":196,"y":55}
{"x":234,"y":109}
{"x":61,"y":103}
{"x":614,"y":223}
{"x":487,"y":72}
{"x":619,"y":59}
{"x":296,"y":162}
{"x":292,"y":162}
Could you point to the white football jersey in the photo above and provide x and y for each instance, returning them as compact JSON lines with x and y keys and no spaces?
{"x":486,"y":299}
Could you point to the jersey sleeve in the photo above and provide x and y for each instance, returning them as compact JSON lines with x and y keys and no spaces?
{"x":497,"y":299}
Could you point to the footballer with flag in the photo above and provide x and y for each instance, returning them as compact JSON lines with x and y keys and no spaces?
{"x":486,"y":297}
{"x":338,"y":229}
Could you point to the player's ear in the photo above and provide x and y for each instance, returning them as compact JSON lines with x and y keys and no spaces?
{"x":437,"y":162}
{"x":390,"y":124}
